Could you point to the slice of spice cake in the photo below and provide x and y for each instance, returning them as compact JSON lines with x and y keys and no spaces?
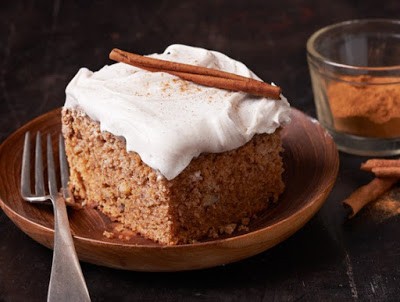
{"x":172,"y":160}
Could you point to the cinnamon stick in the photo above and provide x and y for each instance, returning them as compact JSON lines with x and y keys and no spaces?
{"x":386,"y":171}
{"x":199,"y":75}
{"x":375,"y":163}
{"x":365,"y":194}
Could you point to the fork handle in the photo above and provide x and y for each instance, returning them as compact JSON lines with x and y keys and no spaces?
{"x":66,"y":280}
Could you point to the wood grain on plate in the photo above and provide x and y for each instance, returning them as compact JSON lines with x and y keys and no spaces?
{"x":311,"y":166}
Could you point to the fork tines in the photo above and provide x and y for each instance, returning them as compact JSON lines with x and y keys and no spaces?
{"x":40,"y":193}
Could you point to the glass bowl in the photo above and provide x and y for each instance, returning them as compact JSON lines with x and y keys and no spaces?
{"x":355,"y":74}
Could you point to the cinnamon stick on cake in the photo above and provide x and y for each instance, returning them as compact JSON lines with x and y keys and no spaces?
{"x":199,"y":75}
{"x":170,"y":159}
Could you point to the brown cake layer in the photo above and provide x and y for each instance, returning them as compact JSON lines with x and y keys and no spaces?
{"x":215,"y":194}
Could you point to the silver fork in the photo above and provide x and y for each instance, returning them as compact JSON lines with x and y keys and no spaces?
{"x":66,"y":280}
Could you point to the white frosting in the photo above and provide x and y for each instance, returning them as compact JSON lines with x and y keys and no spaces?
{"x":168,"y":121}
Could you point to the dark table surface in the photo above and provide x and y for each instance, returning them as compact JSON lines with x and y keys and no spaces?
{"x":42,"y":45}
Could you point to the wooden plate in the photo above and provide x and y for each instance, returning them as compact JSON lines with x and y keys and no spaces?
{"x":311,"y":163}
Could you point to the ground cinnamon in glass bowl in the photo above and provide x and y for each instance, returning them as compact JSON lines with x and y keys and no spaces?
{"x":378,"y":115}
{"x":355,"y":73}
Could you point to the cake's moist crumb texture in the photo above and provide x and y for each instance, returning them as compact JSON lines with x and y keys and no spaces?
{"x":216,"y":194}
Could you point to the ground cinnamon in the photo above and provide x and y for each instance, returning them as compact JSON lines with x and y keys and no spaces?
{"x":388,"y":205}
{"x":366,"y":105}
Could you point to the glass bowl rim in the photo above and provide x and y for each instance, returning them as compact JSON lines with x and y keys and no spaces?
{"x":314,"y":54}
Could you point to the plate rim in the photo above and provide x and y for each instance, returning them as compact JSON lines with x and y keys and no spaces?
{"x":317,"y":202}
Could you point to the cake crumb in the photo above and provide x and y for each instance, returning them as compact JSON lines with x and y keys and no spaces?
{"x":229,"y":228}
{"x":118,"y":228}
{"x":243,"y":228}
{"x":109,"y":235}
{"x":123,"y":232}
{"x":245,"y":221}
{"x":212,"y":233}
